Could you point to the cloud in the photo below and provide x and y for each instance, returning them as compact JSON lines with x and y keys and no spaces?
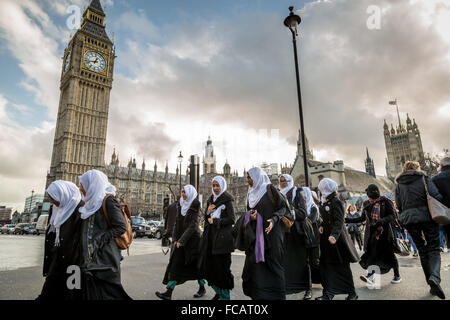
{"x":240,"y":71}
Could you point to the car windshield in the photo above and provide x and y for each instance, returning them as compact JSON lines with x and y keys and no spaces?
{"x":138,"y":220}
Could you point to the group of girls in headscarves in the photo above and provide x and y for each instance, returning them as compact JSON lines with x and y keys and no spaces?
{"x":280,"y":257}
{"x":82,"y":259}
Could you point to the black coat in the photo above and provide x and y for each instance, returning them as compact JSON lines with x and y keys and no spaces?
{"x":333,"y":215}
{"x":170,"y":219}
{"x":411,"y":198}
{"x":57,"y":259}
{"x":387,"y":217}
{"x":187,"y":231}
{"x":442,"y":182}
{"x":100,"y":251}
{"x":220,"y":230}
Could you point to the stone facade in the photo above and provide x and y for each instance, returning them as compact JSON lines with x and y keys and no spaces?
{"x":352,"y":183}
{"x":85,"y":85}
{"x":402,"y":144}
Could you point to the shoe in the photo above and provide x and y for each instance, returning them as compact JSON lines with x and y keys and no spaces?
{"x":166,"y":295}
{"x":415,"y":255}
{"x":367,"y":279}
{"x":308,"y":295}
{"x":436,"y":289}
{"x":442,"y":249}
{"x":396,"y":280}
{"x":216,"y":297}
{"x":201,"y":292}
{"x":323,"y":298}
{"x":352,"y":296}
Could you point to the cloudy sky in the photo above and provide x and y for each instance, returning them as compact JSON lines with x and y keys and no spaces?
{"x":189,"y":69}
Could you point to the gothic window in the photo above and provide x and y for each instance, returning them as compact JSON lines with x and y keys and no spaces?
{"x":136,"y":185}
{"x":147,"y":197}
{"x":122,"y":184}
{"x":160,"y":198}
{"x":134,"y":196}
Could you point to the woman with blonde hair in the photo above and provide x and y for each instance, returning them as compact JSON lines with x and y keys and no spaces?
{"x":414,"y":215}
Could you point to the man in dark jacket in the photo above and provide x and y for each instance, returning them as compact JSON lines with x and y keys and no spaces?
{"x":414,"y":215}
{"x":170,"y":218}
{"x":442,"y":182}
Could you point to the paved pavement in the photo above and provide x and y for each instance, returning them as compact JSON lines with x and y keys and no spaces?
{"x":142,"y":273}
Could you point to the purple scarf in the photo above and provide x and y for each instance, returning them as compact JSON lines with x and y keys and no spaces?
{"x":259,"y":246}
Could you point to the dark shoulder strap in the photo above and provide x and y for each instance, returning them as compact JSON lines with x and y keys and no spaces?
{"x":105,"y":211}
{"x":270,"y":194}
{"x":425,"y":184}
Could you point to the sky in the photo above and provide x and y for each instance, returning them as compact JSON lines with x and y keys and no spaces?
{"x":189,"y":69}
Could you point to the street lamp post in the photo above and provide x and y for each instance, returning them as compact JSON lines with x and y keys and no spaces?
{"x":292,"y":21}
{"x":180,"y":160}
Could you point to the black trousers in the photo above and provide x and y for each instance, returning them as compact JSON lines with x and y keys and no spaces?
{"x":429,"y":249}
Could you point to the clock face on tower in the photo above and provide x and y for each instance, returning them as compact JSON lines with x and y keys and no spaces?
{"x":94,"y":61}
{"x":67,"y":62}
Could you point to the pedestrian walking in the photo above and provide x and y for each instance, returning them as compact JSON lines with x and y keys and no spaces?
{"x":62,"y":247}
{"x":354,"y":229}
{"x":260,"y":233}
{"x":100,"y":254}
{"x":313,"y":246}
{"x":442,"y":182}
{"x":336,"y":248}
{"x":295,"y":262}
{"x":414,"y":215}
{"x":217,"y":240}
{"x":379,"y":215}
{"x":183,"y":262}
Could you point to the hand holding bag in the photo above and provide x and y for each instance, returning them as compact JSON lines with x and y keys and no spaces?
{"x":439,"y":212}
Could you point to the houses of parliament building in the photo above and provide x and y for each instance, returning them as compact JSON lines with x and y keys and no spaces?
{"x":80,"y":137}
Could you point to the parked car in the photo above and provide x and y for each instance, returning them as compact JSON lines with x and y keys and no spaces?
{"x":20,"y":228}
{"x":31,"y":228}
{"x":140,"y":227}
{"x":8,"y":229}
{"x":158,"y":230}
{"x":41,"y":224}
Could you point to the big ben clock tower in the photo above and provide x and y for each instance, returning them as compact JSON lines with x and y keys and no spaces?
{"x":86,"y":82}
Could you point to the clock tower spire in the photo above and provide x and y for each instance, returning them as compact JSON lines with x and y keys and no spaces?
{"x":85,"y":87}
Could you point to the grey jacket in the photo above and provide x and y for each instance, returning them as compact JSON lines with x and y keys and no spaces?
{"x":99,"y":250}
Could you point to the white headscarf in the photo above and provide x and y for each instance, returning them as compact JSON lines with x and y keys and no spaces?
{"x":68,"y":195}
{"x":290,"y":181}
{"x":97,"y":186}
{"x":191,"y":195}
{"x":223,"y":186}
{"x":308,"y":199}
{"x":327,"y":187}
{"x":259,"y":189}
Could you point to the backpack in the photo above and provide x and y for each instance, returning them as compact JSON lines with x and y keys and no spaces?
{"x":124,"y":241}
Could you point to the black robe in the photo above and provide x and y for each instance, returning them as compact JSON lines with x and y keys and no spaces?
{"x":265,"y":280}
{"x":217,"y":245}
{"x":183,"y":262}
{"x":335,"y":258}
{"x":58,"y":259}
{"x":378,"y":252}
{"x":296,"y":268}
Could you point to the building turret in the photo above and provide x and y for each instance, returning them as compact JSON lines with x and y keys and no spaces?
{"x":370,"y":167}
